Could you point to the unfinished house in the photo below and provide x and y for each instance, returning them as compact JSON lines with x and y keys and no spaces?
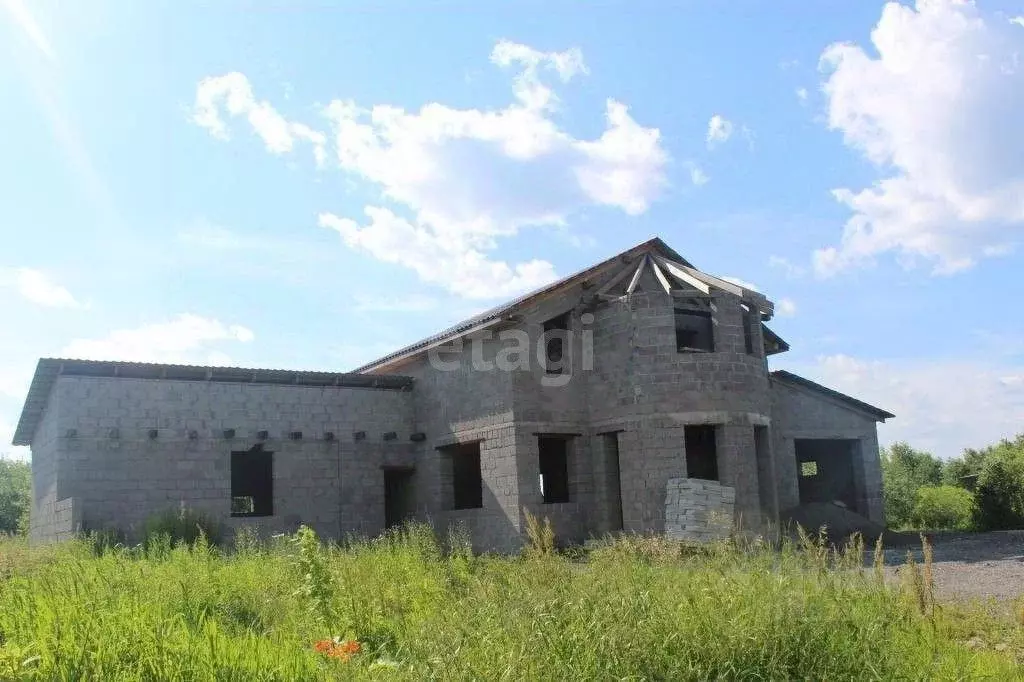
{"x":632,"y":396}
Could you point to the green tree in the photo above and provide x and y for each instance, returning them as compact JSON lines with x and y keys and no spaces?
{"x":943,"y":507}
{"x":964,"y":470}
{"x":1000,"y":486}
{"x":15,"y":495}
{"x":904,"y":471}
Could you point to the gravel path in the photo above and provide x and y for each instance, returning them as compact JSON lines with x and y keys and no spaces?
{"x":968,"y":566}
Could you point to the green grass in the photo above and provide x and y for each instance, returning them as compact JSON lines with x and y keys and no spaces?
{"x":632,"y":609}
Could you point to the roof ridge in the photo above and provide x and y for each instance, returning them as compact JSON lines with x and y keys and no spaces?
{"x":496,"y":312}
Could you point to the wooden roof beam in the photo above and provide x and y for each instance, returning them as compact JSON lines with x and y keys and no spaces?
{"x":680,"y":273}
{"x":636,"y":275}
{"x":613,"y":281}
{"x":661,"y":278}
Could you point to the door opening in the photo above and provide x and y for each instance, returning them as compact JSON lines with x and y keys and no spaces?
{"x":613,"y":480}
{"x":399,"y":500}
{"x":826,"y":471}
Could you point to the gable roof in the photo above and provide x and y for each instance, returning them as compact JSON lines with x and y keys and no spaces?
{"x":49,"y":369}
{"x":653,"y":253}
{"x":800,"y":382}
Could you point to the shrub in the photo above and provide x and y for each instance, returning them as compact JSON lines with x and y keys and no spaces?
{"x":1000,"y":492}
{"x":943,"y":507}
{"x":904,"y":471}
{"x":182,"y":525}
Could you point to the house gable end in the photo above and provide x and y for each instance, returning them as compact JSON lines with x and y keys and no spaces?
{"x":834,"y":397}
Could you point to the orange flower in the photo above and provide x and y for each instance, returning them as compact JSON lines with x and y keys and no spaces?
{"x":343,"y":650}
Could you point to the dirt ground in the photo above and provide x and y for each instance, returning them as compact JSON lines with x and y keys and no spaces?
{"x":967,"y":566}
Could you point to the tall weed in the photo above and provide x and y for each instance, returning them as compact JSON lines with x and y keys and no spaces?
{"x":428,"y":608}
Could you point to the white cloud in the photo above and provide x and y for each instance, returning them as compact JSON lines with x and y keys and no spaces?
{"x":1017,"y":20}
{"x":791,"y":270}
{"x":528,"y":86}
{"x":741,"y":283}
{"x":468,"y":177}
{"x":185,"y":339}
{"x":801,"y":94}
{"x":232,"y":93}
{"x":698,"y":177}
{"x":938,"y":110}
{"x":786,"y":307}
{"x":37,"y":287}
{"x":941,"y":406}
{"x":719,"y":130}
{"x":458,"y":266}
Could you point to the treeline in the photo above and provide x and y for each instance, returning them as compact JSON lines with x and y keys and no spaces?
{"x":15,"y":495}
{"x":980,"y":490}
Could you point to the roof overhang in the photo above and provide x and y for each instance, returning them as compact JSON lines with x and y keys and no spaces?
{"x":773,"y":343}
{"x":800,"y":382}
{"x":48,"y":370}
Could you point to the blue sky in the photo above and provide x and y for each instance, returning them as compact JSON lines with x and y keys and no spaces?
{"x":312,"y":187}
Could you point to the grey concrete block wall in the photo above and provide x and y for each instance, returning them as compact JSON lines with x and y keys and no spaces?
{"x":455,"y":403}
{"x":642,"y":384}
{"x":625,"y":377}
{"x":572,"y":520}
{"x":766,"y":476}
{"x":495,"y":525}
{"x":638,"y":383}
{"x":638,"y":370}
{"x":46,"y":457}
{"x":737,"y":462}
{"x":121,"y":476}
{"x":798,"y":413}
{"x":651,"y":452}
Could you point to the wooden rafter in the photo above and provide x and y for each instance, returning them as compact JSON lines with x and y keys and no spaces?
{"x":680,"y":273}
{"x":661,"y":277}
{"x":603,"y":291}
{"x":636,"y":275}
